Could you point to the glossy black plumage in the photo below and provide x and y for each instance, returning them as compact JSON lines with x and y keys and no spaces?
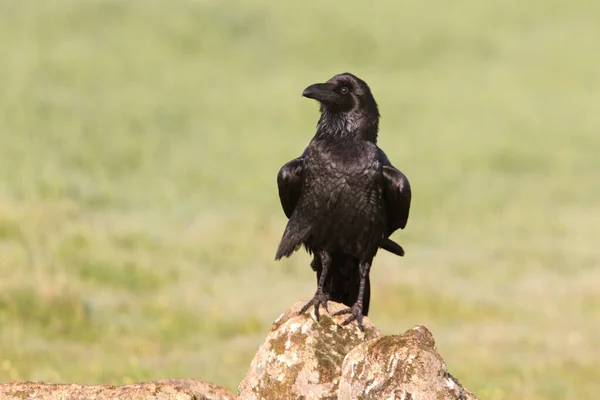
{"x":342,"y":196}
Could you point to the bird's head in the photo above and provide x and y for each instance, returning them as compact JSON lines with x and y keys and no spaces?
{"x":346,"y":104}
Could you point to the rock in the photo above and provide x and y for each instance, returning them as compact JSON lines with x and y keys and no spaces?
{"x":302,"y":358}
{"x":406,"y":367}
{"x":180,"y":389}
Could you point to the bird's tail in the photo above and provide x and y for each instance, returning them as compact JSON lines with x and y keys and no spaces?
{"x":292,"y":239}
{"x":393,"y":247}
{"x":343,"y":280}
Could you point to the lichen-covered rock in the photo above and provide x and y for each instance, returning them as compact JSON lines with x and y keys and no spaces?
{"x":403,"y":367}
{"x":302,"y":358}
{"x":172,"y":389}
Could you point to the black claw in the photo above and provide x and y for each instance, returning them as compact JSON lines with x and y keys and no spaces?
{"x":318,"y":300}
{"x":348,"y":320}
{"x":305,"y":307}
{"x":344,"y":311}
{"x":359,"y":321}
{"x":356,"y":311}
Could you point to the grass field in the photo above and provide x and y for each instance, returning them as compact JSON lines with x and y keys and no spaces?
{"x":139,"y":145}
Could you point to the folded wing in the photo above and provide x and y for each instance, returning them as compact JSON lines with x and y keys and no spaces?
{"x":396,"y":192}
{"x":289,"y":182}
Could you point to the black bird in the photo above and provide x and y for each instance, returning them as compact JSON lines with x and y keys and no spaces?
{"x":342,"y":196}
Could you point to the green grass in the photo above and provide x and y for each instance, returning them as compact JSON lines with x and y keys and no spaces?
{"x":139,"y":144}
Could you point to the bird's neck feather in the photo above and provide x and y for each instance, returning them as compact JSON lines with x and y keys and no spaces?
{"x":341,"y":125}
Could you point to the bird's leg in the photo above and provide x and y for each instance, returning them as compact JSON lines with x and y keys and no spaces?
{"x":319,"y":298}
{"x":357,"y":308}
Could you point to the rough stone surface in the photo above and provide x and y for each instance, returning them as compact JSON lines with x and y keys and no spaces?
{"x":302,"y":358}
{"x":403,"y":367}
{"x":172,"y":389}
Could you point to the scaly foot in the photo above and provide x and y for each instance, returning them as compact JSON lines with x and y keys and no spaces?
{"x":318,"y":300}
{"x":356,"y":311}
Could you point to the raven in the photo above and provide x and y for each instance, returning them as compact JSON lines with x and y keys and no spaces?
{"x":342,"y":196}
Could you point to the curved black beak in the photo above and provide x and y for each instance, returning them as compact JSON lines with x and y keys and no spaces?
{"x":323,"y":92}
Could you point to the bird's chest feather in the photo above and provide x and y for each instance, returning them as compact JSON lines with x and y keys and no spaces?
{"x":344,"y":179}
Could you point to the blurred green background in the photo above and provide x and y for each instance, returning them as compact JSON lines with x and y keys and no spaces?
{"x":139,"y":217}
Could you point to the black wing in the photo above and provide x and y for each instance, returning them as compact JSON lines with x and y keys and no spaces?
{"x":396,"y":191}
{"x":289,"y":182}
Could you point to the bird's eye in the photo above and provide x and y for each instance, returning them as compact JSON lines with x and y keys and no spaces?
{"x":344,"y":90}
